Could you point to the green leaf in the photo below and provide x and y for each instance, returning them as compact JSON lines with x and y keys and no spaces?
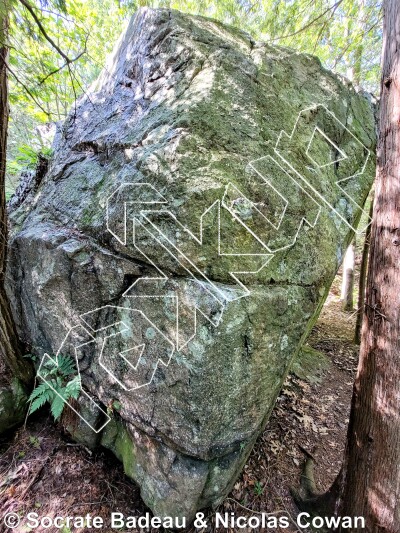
{"x":38,"y":402}
{"x":73,"y":388}
{"x":57,"y":406}
{"x":66,"y":365}
{"x":39,"y":390}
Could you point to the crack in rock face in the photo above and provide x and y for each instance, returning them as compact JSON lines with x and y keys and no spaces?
{"x":182,"y":243}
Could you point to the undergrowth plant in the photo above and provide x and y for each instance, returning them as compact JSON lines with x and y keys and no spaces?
{"x":27,"y":158}
{"x":58,"y":386}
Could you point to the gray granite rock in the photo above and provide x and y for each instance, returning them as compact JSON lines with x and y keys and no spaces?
{"x":183,"y":241}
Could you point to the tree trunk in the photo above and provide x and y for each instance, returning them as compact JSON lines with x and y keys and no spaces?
{"x":369,"y":482}
{"x":363,"y":278}
{"x":9,"y":345}
{"x":348,"y":278}
{"x":372,"y":484}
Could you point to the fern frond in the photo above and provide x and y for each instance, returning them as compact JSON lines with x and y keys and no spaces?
{"x":73,"y":388}
{"x":40,"y":389}
{"x":49,"y":366}
{"x":46,"y":396}
{"x":66,"y":365}
{"x":58,"y":384}
{"x":55,"y":371}
{"x":57,"y":406}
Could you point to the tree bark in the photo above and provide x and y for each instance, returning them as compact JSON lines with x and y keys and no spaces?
{"x":372,"y":461}
{"x":368,"y":484}
{"x":363,"y":279}
{"x":10,"y":349}
{"x":348,"y":278}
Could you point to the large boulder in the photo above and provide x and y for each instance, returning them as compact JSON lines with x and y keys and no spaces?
{"x":183,"y":241}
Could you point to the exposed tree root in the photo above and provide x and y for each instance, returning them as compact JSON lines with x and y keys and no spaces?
{"x":308,"y":499}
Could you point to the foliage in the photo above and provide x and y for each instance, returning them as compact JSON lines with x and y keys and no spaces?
{"x":48,"y":75}
{"x":43,"y":85}
{"x":258,"y":489}
{"x":26,"y":158}
{"x":41,"y":79}
{"x":58,"y":388}
{"x":116,"y":405}
{"x":34,"y":441}
{"x":345,"y":34}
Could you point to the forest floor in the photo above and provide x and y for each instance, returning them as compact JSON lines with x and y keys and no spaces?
{"x":43,"y":471}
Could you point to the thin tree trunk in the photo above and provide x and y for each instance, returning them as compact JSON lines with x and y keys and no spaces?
{"x":348,"y":278}
{"x":9,"y":345}
{"x":363,"y":279}
{"x":372,"y":483}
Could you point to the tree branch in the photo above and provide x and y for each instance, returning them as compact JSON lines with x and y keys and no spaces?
{"x":26,"y":89}
{"x":361,"y":34}
{"x":44,"y":32}
{"x":306,"y":26}
{"x":61,"y":68}
{"x":324,"y":25}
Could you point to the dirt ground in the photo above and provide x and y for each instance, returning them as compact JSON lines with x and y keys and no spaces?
{"x":42,"y":470}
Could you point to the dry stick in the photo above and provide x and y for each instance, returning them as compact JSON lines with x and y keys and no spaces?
{"x":92,"y":503}
{"x":34,"y":478}
{"x":352,"y":314}
{"x":116,"y":488}
{"x":111,"y":492}
{"x":252,"y":510}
